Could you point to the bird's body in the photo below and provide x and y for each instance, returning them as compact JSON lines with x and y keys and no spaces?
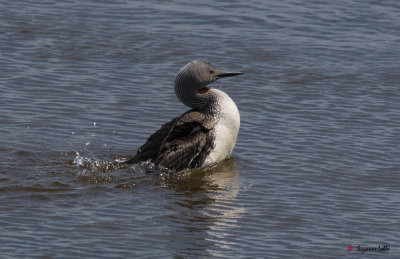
{"x":226,"y":129}
{"x":202,"y":136}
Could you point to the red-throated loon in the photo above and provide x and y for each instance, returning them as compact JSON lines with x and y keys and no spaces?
{"x":202,"y":136}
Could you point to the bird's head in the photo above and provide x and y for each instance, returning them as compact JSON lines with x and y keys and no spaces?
{"x":192,"y":80}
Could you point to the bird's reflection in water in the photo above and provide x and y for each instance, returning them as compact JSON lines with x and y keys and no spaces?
{"x":204,"y":207}
{"x":208,"y":179}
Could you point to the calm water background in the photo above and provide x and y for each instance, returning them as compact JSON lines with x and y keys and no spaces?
{"x":317,"y":162}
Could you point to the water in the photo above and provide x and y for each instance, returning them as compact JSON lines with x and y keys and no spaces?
{"x":315,"y":168}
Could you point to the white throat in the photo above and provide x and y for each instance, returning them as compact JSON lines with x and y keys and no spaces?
{"x":226,"y":130}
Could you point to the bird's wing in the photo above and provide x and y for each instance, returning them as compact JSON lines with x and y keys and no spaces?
{"x":188,"y":142}
{"x":150,"y":149}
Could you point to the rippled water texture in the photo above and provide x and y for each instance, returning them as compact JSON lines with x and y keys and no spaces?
{"x":315,"y":169}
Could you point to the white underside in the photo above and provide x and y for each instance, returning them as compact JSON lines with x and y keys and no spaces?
{"x":226,"y":130}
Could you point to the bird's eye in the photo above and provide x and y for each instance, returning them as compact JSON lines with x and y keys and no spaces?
{"x":211,"y":71}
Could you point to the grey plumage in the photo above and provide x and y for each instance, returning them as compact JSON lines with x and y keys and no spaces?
{"x":150,"y":149}
{"x":186,"y":141}
{"x":181,"y":143}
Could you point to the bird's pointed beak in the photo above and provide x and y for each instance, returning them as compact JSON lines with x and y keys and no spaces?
{"x":221,"y":74}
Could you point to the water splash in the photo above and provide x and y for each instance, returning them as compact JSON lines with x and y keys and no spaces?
{"x":91,"y":164}
{"x":79,"y":160}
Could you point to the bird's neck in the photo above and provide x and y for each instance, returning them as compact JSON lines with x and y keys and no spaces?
{"x":188,"y":94}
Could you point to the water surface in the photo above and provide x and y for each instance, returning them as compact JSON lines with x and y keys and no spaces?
{"x":315,"y":168}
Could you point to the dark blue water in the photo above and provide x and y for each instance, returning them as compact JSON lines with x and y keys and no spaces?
{"x":316,"y":165}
